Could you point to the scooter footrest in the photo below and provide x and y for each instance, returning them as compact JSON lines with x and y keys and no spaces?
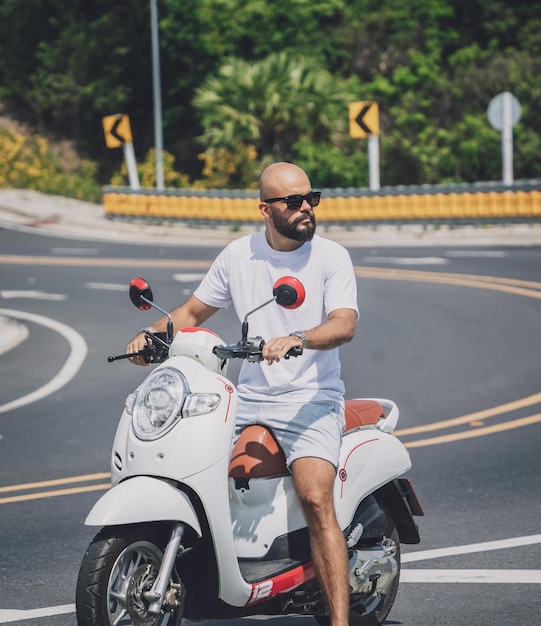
{"x":255,"y":571}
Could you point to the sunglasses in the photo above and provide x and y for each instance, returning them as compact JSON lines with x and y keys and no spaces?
{"x":295,"y":201}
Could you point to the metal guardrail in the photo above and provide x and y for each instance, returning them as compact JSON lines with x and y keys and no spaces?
{"x":478,"y":202}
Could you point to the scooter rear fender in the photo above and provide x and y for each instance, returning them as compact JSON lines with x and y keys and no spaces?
{"x":369,"y":459}
{"x":143,"y":499}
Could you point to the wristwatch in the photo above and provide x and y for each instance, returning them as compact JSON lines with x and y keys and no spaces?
{"x":148,"y":331}
{"x":301,"y":335}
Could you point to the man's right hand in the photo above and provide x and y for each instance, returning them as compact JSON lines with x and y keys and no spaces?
{"x":136,"y":345}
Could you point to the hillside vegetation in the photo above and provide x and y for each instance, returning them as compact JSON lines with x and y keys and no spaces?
{"x":246,"y":82}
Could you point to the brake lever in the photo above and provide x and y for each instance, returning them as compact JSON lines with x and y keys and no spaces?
{"x":149,"y":352}
{"x":110,"y":359}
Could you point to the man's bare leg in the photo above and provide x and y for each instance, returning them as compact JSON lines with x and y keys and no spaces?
{"x":314,"y":481}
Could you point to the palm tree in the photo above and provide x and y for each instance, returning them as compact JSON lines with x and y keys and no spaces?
{"x":271,"y":104}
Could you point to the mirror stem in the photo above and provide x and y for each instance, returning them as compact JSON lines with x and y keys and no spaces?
{"x":169,"y":318}
{"x":245,"y":321}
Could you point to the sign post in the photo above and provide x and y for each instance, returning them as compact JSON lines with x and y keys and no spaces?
{"x":117,"y":131}
{"x":157,"y":98}
{"x":373,"y":162}
{"x":504,"y":112}
{"x":364,"y":122}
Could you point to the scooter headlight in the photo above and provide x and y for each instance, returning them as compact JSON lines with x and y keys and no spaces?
{"x":158,"y":403}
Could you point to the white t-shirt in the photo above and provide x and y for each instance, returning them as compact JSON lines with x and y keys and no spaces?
{"x":244,"y":274}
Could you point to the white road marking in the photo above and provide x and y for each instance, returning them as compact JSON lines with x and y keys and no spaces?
{"x":75,"y":251}
{"x":472,"y":576}
{"x":107,"y":286}
{"x":33,"y":295}
{"x":188,"y":278}
{"x":14,"y":615}
{"x":69,"y":369}
{"x":477,"y":254}
{"x":437,"y":553}
{"x":396,"y":260}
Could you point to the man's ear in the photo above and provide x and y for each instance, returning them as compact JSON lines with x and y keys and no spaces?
{"x":264,"y":209}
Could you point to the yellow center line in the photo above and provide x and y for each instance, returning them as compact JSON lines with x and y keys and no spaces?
{"x":370,"y":272}
{"x":52,"y":494}
{"x":14,"y":259}
{"x":424,"y":275}
{"x":55,"y":482}
{"x":449,"y":279}
{"x":480,"y":415}
{"x":479,"y":432}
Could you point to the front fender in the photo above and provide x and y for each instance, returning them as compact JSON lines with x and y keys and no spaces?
{"x":143,"y":499}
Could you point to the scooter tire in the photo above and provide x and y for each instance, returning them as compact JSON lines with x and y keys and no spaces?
{"x":378,"y":617}
{"x":103,"y":581}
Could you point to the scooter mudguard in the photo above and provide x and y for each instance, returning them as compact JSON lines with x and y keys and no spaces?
{"x":369,"y":459}
{"x":143,"y":499}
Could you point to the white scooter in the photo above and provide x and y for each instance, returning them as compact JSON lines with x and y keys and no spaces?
{"x":193,"y":529}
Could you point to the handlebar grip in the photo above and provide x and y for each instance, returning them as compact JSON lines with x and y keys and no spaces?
{"x":295,"y":351}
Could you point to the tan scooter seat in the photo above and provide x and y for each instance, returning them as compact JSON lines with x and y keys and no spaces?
{"x":256,"y":453}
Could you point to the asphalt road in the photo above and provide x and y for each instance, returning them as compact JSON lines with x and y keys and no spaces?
{"x":450,"y":334}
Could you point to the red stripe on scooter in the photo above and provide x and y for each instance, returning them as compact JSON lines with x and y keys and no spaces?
{"x":229,"y":390}
{"x":282,"y":583}
{"x":342,"y":471}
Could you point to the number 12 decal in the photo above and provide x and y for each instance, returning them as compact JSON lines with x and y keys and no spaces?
{"x":260,"y":591}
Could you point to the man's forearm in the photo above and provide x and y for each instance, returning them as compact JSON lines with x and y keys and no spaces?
{"x":332,"y":333}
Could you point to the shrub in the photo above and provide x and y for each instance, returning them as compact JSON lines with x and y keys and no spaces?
{"x":29,"y":163}
{"x":147,"y":172}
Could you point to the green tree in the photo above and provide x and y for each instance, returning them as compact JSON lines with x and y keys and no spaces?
{"x":432,"y":65}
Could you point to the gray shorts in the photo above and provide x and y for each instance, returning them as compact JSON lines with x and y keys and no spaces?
{"x":311,"y":429}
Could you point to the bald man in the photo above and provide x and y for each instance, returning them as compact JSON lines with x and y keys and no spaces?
{"x":301,"y":400}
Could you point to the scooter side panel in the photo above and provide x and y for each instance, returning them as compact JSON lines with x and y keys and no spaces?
{"x":369,"y":458}
{"x":268,"y":509}
{"x":211,"y":485}
{"x":142,"y":499}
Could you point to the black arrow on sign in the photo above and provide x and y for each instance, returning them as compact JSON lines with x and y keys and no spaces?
{"x":114,"y":130}
{"x":359,"y":119}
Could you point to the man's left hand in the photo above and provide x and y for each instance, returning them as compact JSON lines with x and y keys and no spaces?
{"x":275,"y":349}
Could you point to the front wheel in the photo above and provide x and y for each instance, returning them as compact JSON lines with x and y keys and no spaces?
{"x":121,"y":564}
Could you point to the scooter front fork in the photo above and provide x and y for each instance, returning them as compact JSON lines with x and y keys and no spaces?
{"x":155,"y":596}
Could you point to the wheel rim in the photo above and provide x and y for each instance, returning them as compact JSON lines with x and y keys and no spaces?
{"x":388,"y":592}
{"x":392,"y":588}
{"x":127,"y":563}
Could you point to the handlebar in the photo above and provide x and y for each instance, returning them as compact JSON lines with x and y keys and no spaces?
{"x":156,"y":350}
{"x":250,"y":349}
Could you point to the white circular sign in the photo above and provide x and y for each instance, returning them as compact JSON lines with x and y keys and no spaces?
{"x":495,"y":111}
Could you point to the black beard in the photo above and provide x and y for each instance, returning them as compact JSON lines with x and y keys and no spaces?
{"x":290,"y":230}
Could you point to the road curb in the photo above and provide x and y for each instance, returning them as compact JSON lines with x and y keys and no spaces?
{"x":12,"y":334}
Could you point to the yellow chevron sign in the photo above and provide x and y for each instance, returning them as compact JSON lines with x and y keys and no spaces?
{"x":117,"y":130}
{"x":363,"y":119}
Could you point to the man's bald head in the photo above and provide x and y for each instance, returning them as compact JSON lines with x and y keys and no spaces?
{"x":283,"y":179}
